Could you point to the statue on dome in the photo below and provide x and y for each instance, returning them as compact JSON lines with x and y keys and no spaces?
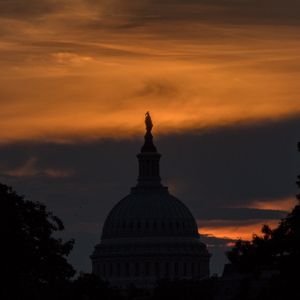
{"x":148,"y":122}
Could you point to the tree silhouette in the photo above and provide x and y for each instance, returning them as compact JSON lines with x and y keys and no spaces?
{"x":276,"y":249}
{"x":91,"y":287}
{"x":34,"y":262}
{"x":185,"y":289}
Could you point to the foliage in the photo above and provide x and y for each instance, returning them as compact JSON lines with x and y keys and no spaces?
{"x":33,"y":260}
{"x":276,"y":249}
{"x":185,"y":289}
{"x":91,"y":287}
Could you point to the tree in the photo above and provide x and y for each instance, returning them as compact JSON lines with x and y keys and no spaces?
{"x":33,"y":260}
{"x":277,"y":249}
{"x":91,"y":287}
{"x":186,"y":289}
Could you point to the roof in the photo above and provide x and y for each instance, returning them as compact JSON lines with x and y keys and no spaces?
{"x":149,"y":213}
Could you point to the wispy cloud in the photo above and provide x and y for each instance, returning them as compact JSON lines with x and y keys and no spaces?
{"x":244,"y":227}
{"x":281,"y":204}
{"x":30,"y":168}
{"x":233,"y":229}
{"x":90,"y":69}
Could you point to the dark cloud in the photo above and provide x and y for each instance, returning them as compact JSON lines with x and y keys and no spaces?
{"x":158,"y":88}
{"x":212,"y":172}
{"x":225,"y":213}
{"x":260,"y":162}
{"x":29,"y":8}
{"x":137,"y":12}
{"x":220,"y":11}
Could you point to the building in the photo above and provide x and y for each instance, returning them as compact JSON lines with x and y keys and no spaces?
{"x":149,"y":234}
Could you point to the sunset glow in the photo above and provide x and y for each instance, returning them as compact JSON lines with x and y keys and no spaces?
{"x":78,"y":74}
{"x":285,"y":204}
{"x":242,"y":229}
{"x":219,"y":78}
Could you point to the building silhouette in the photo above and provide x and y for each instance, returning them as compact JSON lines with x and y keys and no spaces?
{"x":149,"y":235}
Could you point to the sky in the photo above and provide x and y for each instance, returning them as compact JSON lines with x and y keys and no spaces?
{"x":220,"y":78}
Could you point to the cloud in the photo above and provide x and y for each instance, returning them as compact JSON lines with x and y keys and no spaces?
{"x":229,"y":229}
{"x":30,"y":8}
{"x":168,"y":9}
{"x":281,"y":204}
{"x":31,"y":169}
{"x":215,"y":11}
{"x":219,"y":77}
{"x":89,"y":69}
{"x":66,"y":104}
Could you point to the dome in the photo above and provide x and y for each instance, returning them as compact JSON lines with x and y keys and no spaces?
{"x":149,"y":234}
{"x":149,"y":213}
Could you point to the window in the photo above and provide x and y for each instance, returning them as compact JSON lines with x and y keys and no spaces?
{"x":167,"y":272}
{"x":110,"y":271}
{"x":137,"y":269}
{"x":127,"y":273}
{"x":118,"y":270}
{"x":184,"y":269}
{"x":157,"y":269}
{"x":147,"y":268}
{"x":176,"y":269}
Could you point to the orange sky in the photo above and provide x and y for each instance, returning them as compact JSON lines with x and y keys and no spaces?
{"x":240,"y":229}
{"x":85,"y":71}
{"x":244,"y":229}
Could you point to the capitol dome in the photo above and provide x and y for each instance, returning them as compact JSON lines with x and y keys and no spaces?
{"x":149,"y":234}
{"x":149,"y":214}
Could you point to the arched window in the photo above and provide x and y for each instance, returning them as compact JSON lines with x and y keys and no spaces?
{"x":147,"y":268}
{"x":118,"y":269}
{"x":137,"y":269}
{"x":167,"y":269}
{"x":193,"y":269}
{"x":110,"y":270}
{"x":184,"y":269}
{"x":176,"y":269}
{"x":199,"y":269}
{"x":157,"y":269}
{"x":127,"y":271}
